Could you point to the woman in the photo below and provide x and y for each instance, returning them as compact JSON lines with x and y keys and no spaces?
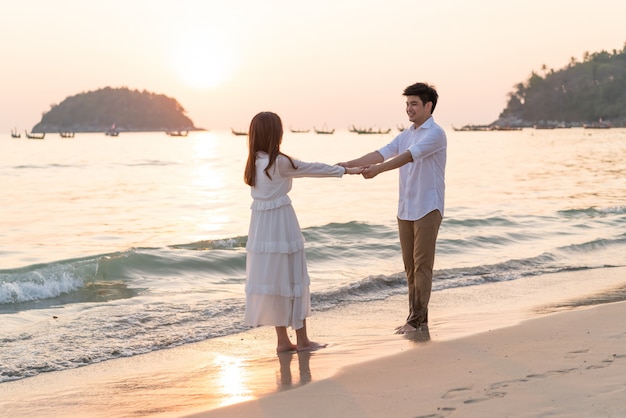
{"x":277,"y":285}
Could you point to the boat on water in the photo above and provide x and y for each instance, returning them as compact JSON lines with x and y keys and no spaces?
{"x":369,"y":131}
{"x":15,"y":134}
{"x":597,"y":125}
{"x":177,"y":133}
{"x":324,"y":131}
{"x":238,"y":133}
{"x":483,"y":128}
{"x":35,"y":136}
{"x":112,"y":131}
{"x":299,"y":131}
{"x":466,"y":128}
{"x":507,"y":128}
{"x":66,"y":134}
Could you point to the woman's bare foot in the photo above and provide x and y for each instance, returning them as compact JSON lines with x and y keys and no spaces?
{"x":286,"y":348}
{"x":311,"y":346}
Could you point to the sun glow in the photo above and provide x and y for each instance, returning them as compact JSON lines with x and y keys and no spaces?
{"x":202,"y":57}
{"x":232,"y":382}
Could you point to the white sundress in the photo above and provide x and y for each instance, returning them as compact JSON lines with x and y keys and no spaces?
{"x":277,"y":284}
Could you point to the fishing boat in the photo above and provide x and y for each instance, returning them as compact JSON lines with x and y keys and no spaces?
{"x":177,"y":133}
{"x":112,"y":131}
{"x":597,"y":125}
{"x":324,"y":131}
{"x":299,"y":131}
{"x":238,"y":133}
{"x":35,"y":136}
{"x":369,"y":131}
{"x":467,"y":128}
{"x":506,"y":128}
{"x":15,"y":134}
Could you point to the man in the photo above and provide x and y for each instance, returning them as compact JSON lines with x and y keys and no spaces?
{"x":419,"y":153}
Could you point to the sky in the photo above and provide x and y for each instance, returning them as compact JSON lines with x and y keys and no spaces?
{"x":323,"y":63}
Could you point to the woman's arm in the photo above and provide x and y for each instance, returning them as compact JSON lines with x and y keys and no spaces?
{"x":305,"y":169}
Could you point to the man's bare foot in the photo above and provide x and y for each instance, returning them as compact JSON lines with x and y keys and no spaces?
{"x":286,"y":348}
{"x":312,"y":346}
{"x":406,"y":328}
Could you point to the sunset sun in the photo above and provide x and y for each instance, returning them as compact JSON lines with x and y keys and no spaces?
{"x":202,"y":58}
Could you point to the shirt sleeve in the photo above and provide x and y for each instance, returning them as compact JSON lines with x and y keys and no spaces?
{"x":392,"y":148}
{"x":305,"y":169}
{"x":433,"y":141}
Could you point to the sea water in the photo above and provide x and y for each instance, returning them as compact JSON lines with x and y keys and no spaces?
{"x":116,"y":246}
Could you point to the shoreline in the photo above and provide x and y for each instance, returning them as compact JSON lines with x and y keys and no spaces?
{"x":569,"y":363}
{"x":243,"y":371}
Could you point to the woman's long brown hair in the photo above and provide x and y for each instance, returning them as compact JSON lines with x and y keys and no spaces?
{"x":265,"y":134}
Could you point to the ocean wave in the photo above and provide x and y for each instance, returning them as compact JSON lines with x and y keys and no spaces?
{"x":348,"y":231}
{"x":156,"y":163}
{"x":600,"y":244}
{"x":593,"y":211}
{"x":45,"y":166}
{"x":217,"y":244}
{"x":491,"y":221}
{"x":371,"y":288}
{"x":382,"y":286}
{"x":116,"y":275}
{"x":220,"y":264}
{"x":127,"y":330}
{"x":45,"y":281}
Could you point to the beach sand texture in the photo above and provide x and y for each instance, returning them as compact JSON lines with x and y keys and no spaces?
{"x":525,"y":352}
{"x":569,"y":364}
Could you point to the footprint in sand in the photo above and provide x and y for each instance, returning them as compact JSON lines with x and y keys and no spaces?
{"x":456,"y":393}
{"x":573,"y":354}
{"x":551,"y":373}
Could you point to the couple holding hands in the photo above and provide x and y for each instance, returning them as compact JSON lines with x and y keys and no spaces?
{"x":277,"y":281}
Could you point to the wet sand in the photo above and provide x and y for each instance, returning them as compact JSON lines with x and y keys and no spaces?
{"x":552,"y":344}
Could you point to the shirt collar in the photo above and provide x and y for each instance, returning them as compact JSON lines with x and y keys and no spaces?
{"x":427,"y":123}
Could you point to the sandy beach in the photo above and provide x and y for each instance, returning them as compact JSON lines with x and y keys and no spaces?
{"x":567,"y":364}
{"x":528,"y":350}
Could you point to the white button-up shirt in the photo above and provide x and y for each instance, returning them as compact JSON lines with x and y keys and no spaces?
{"x":422,"y":182}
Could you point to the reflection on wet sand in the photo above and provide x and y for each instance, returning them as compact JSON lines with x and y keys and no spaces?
{"x":230,"y":379}
{"x":420,"y":335}
{"x":286,"y":379}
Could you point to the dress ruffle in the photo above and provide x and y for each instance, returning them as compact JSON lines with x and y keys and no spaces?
{"x":276,"y":246}
{"x":277,"y":289}
{"x":275,"y":231}
{"x":270,"y":204}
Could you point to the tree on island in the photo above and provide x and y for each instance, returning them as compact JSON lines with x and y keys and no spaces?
{"x":582,"y":92}
{"x":127,"y":110}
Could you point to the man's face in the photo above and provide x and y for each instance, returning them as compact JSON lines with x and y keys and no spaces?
{"x":417,"y":111}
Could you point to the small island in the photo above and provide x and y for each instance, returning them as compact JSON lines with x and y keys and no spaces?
{"x":116,"y":110}
{"x":591,"y":93}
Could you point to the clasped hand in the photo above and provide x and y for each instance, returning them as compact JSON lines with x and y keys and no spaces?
{"x":367,"y":171}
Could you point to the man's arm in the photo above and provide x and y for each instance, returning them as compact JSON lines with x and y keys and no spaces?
{"x":396,"y":162}
{"x":373,"y":157}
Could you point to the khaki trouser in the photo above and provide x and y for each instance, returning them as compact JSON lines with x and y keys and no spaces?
{"x":418,"y":239}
